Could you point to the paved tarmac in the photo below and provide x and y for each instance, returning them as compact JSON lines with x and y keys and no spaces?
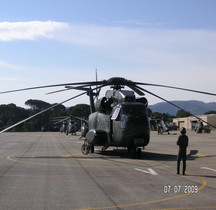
{"x":48,"y":171}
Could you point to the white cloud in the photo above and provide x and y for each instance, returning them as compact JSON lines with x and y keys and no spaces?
{"x":162,"y":49}
{"x":11,"y":66}
{"x":184,"y":58}
{"x":10,"y":31}
{"x":109,"y":36}
{"x":154,"y":51}
{"x":8,"y":79}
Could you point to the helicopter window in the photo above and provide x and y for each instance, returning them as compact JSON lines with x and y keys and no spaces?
{"x":115,"y":114}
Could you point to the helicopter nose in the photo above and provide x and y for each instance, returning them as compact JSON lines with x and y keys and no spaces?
{"x":138,"y":123}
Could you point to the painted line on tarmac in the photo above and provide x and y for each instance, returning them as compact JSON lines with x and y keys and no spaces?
{"x":189,"y":208}
{"x":210,"y":169}
{"x":79,"y":156}
{"x":150,"y":171}
{"x":197,"y":155}
{"x":200,"y":155}
{"x":203,"y":185}
{"x":74,"y":164}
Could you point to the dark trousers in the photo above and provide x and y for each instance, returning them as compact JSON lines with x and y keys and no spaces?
{"x":181,"y":156}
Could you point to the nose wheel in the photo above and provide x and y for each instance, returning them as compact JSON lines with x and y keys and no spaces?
{"x":139,"y":153}
{"x":87,"y":148}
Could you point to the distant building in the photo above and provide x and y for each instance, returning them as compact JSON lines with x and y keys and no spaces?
{"x":189,"y":122}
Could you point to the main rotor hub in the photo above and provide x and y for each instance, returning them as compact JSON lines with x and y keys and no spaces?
{"x":117,"y":82}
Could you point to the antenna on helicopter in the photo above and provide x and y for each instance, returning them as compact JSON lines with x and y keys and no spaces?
{"x":96,"y":75}
{"x":97,"y":90}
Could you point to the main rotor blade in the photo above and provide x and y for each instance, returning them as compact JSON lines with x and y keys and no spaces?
{"x":68,"y":87}
{"x":55,"y":85}
{"x":62,"y":120}
{"x":57,"y":91}
{"x":136,"y":89}
{"x":177,"y":88}
{"x":55,"y":105}
{"x":84,"y":88}
{"x":58,"y":119}
{"x":169,"y":102}
{"x":78,"y":88}
{"x":78,"y":118}
{"x":69,"y":117}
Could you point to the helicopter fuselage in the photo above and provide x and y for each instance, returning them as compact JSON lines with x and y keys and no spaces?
{"x":126,"y":126}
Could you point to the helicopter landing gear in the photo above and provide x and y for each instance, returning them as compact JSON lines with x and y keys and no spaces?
{"x":135,"y":152}
{"x":139,"y":153}
{"x":104,"y":148}
{"x":160,"y":130}
{"x":92,"y":148}
{"x":85,"y":149}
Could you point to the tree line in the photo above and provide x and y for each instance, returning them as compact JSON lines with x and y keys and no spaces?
{"x":11,"y":114}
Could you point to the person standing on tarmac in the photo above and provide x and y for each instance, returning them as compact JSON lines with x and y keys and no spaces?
{"x":182,"y":142}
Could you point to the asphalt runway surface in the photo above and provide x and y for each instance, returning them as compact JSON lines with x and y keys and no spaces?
{"x":48,"y":171}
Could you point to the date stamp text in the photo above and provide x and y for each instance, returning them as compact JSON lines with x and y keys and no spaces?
{"x":179,"y":189}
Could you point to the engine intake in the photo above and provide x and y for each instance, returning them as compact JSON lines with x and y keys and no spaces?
{"x":103,"y":105}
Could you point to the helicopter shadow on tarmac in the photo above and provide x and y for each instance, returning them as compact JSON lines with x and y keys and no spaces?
{"x":109,"y":154}
{"x":115,"y":154}
{"x":68,"y":156}
{"x":145,"y":155}
{"x":123,"y":153}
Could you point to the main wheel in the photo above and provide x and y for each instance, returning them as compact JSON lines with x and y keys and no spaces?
{"x":139,"y":153}
{"x":92,"y":148}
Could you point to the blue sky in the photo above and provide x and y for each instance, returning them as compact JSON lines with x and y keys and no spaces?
{"x":171,"y":42}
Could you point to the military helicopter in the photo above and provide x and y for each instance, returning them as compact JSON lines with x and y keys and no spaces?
{"x":68,"y":124}
{"x":119,"y":118}
{"x":162,"y":128}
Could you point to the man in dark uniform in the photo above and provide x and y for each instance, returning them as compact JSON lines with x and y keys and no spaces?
{"x":182,"y":143}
